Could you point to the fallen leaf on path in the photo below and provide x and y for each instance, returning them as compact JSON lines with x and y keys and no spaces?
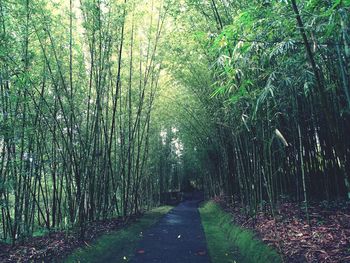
{"x":201,"y":253}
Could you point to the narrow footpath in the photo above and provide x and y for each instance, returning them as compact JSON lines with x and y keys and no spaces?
{"x":177,"y":237}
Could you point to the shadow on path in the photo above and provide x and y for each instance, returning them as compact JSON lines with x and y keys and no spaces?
{"x":177,"y":238}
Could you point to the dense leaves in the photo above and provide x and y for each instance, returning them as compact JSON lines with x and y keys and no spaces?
{"x":276,"y":94}
{"x":105,"y":105}
{"x":77,"y":87}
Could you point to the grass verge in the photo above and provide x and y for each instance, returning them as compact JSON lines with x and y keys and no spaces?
{"x":228,"y":243}
{"x":118,"y":246}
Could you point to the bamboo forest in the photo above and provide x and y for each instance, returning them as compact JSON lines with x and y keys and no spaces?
{"x":175,"y":131}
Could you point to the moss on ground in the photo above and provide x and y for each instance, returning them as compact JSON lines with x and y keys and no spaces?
{"x":120,"y":245}
{"x":228,"y":243}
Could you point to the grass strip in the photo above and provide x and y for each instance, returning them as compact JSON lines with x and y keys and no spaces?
{"x":228,"y":243}
{"x":118,"y":246}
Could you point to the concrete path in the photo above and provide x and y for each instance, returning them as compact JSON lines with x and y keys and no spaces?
{"x":177,"y":238}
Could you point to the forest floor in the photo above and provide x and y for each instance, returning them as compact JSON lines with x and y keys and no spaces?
{"x":326,"y":240}
{"x":59,"y":244}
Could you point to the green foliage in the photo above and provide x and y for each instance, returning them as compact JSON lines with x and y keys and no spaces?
{"x":257,"y":79}
{"x":88,"y":89}
{"x":75,"y":103}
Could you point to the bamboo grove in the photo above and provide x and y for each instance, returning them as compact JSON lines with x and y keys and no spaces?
{"x":78,"y":82}
{"x":270,"y":81}
{"x":106,"y":104}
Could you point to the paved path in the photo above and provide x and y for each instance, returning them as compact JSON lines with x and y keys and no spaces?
{"x":177,"y":238}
